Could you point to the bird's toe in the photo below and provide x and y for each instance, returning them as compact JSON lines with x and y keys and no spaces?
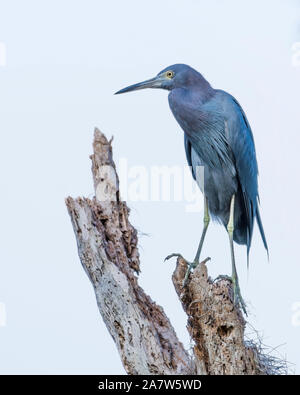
{"x":173,"y":256}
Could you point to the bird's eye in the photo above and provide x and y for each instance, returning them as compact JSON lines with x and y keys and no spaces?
{"x":170,"y":74}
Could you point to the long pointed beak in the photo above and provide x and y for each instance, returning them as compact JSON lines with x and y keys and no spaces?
{"x":152,"y":83}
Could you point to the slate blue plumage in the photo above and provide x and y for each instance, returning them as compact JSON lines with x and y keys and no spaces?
{"x":217,"y":135}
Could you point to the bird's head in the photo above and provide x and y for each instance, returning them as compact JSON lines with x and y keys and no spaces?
{"x":175,"y":76}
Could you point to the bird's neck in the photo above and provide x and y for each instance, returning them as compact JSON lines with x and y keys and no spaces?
{"x":197,"y":94}
{"x":198,"y":88}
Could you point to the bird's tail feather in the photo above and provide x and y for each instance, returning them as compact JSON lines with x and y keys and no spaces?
{"x":248,"y":248}
{"x":261,"y":229}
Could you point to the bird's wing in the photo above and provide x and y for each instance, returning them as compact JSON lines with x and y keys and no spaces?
{"x":240,"y":139}
{"x":220,"y":134}
{"x":188,"y":152}
{"x":205,"y":132}
{"x":195,"y":163}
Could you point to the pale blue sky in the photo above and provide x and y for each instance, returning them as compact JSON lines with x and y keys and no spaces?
{"x":64,"y":62}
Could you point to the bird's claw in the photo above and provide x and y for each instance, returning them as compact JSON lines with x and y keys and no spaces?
{"x":172,"y":256}
{"x":223,"y":277}
{"x":191,"y":266}
{"x":237,"y":297}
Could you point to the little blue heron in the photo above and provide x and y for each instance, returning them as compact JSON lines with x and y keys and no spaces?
{"x":218,"y":138}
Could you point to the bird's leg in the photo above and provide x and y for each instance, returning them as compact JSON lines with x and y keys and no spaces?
{"x":237,"y":297}
{"x":206,"y":220}
{"x":192,"y":265}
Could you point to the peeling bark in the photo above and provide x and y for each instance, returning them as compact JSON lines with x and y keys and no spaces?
{"x":143,"y":334}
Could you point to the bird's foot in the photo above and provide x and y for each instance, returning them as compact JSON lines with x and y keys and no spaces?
{"x":191,"y":266}
{"x":223,"y":277}
{"x":174,"y":255}
{"x":237,"y":296}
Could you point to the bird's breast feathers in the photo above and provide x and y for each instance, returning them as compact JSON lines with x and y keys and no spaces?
{"x":206,"y":126}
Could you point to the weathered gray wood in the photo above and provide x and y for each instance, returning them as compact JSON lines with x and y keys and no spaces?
{"x":144,"y":336}
{"x":107,"y":246}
